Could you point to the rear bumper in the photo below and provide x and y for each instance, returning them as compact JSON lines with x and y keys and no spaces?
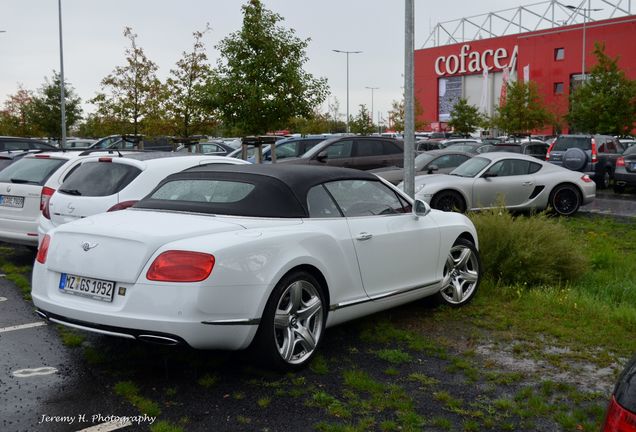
{"x":167,"y":314}
{"x":622,"y":177}
{"x":19,"y":232}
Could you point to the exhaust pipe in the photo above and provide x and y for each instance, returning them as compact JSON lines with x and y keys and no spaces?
{"x":160,"y":340}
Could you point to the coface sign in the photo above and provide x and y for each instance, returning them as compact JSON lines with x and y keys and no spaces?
{"x":474,"y":61}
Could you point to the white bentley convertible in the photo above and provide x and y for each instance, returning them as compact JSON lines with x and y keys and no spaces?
{"x":261,"y":255}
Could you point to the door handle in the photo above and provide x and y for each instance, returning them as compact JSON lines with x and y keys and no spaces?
{"x":528,"y":183}
{"x":364,"y":236}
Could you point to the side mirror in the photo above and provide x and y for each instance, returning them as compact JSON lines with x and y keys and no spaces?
{"x":432,"y":169}
{"x":322,"y":156}
{"x":488,"y":175}
{"x":420,"y":208}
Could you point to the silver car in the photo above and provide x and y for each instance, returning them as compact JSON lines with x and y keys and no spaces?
{"x":518,"y":181}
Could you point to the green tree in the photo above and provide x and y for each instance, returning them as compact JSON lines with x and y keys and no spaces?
{"x":44,"y":112}
{"x":396,"y":116}
{"x":465,"y":118}
{"x":132,"y":94}
{"x":606,"y":101}
{"x":14,"y":119}
{"x":317,"y":123}
{"x":362,"y":122}
{"x":523,"y":110}
{"x":260,"y":82}
{"x":186,"y":89}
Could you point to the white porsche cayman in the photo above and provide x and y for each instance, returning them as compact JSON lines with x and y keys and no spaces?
{"x":268,"y":255}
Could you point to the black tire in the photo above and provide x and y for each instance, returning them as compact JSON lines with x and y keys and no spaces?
{"x":448,"y":200}
{"x":565,"y":200}
{"x":462,"y":274}
{"x":604,"y":180}
{"x":292,"y":344}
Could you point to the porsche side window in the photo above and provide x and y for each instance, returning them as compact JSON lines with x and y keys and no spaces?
{"x":320,"y":204}
{"x":534,"y":167}
{"x":510,"y":167}
{"x":365,"y":198}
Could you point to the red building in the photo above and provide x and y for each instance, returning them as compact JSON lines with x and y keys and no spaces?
{"x":552,"y":58}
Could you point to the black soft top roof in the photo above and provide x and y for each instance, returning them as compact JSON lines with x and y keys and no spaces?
{"x":280,"y":190}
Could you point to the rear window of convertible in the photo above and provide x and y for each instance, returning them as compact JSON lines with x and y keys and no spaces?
{"x":203,"y":191}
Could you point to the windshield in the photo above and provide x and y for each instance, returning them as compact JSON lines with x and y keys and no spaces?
{"x":471,"y":167}
{"x":422,"y":160}
{"x":31,"y":170}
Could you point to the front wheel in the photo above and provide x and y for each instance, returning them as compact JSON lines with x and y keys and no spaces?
{"x":462,"y":274}
{"x":293,"y":322}
{"x":565,"y":200}
{"x":448,"y":201}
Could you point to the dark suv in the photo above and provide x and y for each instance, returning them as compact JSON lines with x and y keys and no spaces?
{"x":353,"y":151}
{"x":23,"y":144}
{"x":595,"y":155}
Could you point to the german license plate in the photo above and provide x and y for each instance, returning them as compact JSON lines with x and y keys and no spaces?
{"x":11,"y":201}
{"x":633,"y":166}
{"x":87,"y":287}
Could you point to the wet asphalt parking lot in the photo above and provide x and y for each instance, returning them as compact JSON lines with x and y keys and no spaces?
{"x":48,"y":386}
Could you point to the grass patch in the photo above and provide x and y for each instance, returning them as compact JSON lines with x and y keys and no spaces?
{"x":207,"y":380}
{"x":319,"y":365}
{"x":129,"y":391}
{"x":165,"y":426}
{"x":394,"y":356}
{"x":70,"y":337}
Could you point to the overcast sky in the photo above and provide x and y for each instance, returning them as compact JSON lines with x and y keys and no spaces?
{"x":94,"y":42}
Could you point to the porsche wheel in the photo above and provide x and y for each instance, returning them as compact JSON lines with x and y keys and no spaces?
{"x":448,"y":201}
{"x":293,"y":322}
{"x":565,"y":200}
{"x":462,"y":274}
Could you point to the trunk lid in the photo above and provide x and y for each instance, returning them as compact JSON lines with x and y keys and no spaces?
{"x":116,"y":246}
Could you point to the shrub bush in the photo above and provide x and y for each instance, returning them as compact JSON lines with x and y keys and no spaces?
{"x":527,"y":250}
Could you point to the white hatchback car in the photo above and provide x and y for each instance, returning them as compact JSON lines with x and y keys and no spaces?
{"x":115,"y":182}
{"x":25,"y":188}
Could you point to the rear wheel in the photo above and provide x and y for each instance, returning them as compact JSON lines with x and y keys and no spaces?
{"x":565,"y":200}
{"x":604,"y":180}
{"x":293,"y":322}
{"x":462,"y":274}
{"x":448,"y":201}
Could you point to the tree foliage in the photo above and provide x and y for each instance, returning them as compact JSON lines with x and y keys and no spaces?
{"x":465,"y":118}
{"x":186,"y":89}
{"x":132,"y":94}
{"x":260,"y":82}
{"x":44,"y":110}
{"x":14,"y":118}
{"x":362,"y":123}
{"x":606,"y":101}
{"x":396,"y":116}
{"x":523,"y":110}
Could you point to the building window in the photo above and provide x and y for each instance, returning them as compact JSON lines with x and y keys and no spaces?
{"x":559,"y":53}
{"x":558,"y":88}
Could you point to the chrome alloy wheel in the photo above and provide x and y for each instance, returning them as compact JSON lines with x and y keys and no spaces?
{"x":461,"y":274}
{"x":298,"y":322}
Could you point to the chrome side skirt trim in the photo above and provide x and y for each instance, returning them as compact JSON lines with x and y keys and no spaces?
{"x":380,"y":296}
{"x":244,"y":321}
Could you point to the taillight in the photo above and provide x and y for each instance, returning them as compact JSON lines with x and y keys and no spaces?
{"x":122,"y":205}
{"x":43,"y":250}
{"x":181,"y":266}
{"x":594,"y":151}
{"x":45,"y":198}
{"x":41,"y":156}
{"x":620,"y":162}
{"x":547,"y":155}
{"x":619,"y":419}
{"x":586,"y":178}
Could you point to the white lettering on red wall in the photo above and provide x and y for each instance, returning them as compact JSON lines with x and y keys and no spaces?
{"x":474,"y":61}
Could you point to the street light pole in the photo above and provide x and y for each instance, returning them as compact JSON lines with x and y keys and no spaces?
{"x":372,"y":88}
{"x":409,"y":112}
{"x":62,"y":96}
{"x":347,"y":53}
{"x":585,"y":11}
